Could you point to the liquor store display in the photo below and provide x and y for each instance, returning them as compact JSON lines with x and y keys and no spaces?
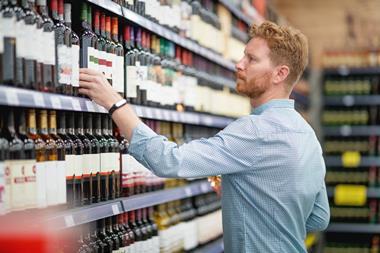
{"x":350,"y":122}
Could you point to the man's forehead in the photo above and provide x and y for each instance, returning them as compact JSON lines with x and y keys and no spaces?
{"x":256,"y":46}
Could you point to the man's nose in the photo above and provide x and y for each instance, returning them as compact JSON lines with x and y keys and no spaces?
{"x":240,"y":65}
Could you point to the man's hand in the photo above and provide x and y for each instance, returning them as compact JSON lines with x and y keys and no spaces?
{"x":215,"y":182}
{"x":94,"y":85}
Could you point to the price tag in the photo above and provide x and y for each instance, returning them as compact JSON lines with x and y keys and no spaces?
{"x":55,"y":102}
{"x":69,"y":221}
{"x":39,"y":100}
{"x":348,"y":100}
{"x":12,"y":98}
{"x":350,"y":195}
{"x":345,"y":130}
{"x":188,"y":192}
{"x":115,"y":209}
{"x":207,"y":120}
{"x":90,"y":106}
{"x":76,"y":104}
{"x":351,"y":159}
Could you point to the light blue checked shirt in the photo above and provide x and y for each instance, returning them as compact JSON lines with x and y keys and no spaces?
{"x":273,"y":189}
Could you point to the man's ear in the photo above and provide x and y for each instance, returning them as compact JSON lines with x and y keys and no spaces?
{"x":280,"y":74}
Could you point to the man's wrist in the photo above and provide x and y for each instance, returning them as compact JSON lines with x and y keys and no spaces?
{"x":113,"y":100}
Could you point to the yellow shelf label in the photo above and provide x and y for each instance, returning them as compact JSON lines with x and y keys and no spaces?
{"x":351,"y":159}
{"x":350,"y":195}
{"x":310,"y":240}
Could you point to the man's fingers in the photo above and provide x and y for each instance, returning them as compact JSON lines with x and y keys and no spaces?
{"x":84,"y":91}
{"x":85,"y":84}
{"x":88,"y":78}
{"x":89,"y":71}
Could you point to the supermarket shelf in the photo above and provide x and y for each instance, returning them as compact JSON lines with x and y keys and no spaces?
{"x":35,"y":99}
{"x":235,"y":10}
{"x":364,"y":161}
{"x":98,"y":211}
{"x":215,"y":246}
{"x":372,"y":192}
{"x":349,"y":100}
{"x":348,"y":130}
{"x":164,"y":32}
{"x":344,"y":71}
{"x":159,"y":197}
{"x":353,"y":228}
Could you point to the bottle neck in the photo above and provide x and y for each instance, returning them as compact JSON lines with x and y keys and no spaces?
{"x":67,"y":17}
{"x":54,"y":10}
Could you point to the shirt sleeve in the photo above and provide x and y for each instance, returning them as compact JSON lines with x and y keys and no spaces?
{"x":320,"y":215}
{"x":224,"y":153}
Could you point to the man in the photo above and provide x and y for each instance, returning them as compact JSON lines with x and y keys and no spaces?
{"x":273,"y":189}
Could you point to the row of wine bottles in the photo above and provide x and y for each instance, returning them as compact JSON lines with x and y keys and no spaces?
{"x":352,"y":86}
{"x":351,"y":116}
{"x":175,"y":226}
{"x":354,"y":59}
{"x":78,"y":158}
{"x":143,"y":67}
{"x":368,"y":213}
{"x":364,"y":145}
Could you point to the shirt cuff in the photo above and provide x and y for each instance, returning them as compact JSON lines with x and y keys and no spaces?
{"x":141,"y":134}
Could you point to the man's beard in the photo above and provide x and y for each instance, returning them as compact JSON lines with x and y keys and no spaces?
{"x":254,"y":87}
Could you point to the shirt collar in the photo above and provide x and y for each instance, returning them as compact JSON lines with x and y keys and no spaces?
{"x":274,"y":103}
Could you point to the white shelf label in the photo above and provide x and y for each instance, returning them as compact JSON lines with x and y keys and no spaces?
{"x":138,"y":111}
{"x":345,"y":130}
{"x":348,"y":100}
{"x":76,"y":104}
{"x":148,"y":113}
{"x":69,"y":221}
{"x":115,"y":209}
{"x":12,"y":98}
{"x":205,"y":187}
{"x":55,"y":102}
{"x":90,"y":106}
{"x":39,"y":100}
{"x":174,"y":116}
{"x":188,"y":192}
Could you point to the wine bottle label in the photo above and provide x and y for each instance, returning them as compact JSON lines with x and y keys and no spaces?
{"x":31,"y":48}
{"x":70,"y":165}
{"x":115,"y":162}
{"x":108,"y":62}
{"x":75,"y":51}
{"x":41,"y":184}
{"x":39,"y":53}
{"x":102,"y":62}
{"x":93,"y":58}
{"x":118,"y":77}
{"x":78,"y":165}
{"x":87,"y":163}
{"x":61,"y":182}
{"x":21,"y":37}
{"x":106,"y":162}
{"x":127,"y":173}
{"x":156,"y":244}
{"x":51,"y":182}
{"x":132,"y":248}
{"x":142,"y":75}
{"x":131,"y":81}
{"x":30,"y":184}
{"x":17,"y":173}
{"x":7,"y":194}
{"x":61,"y":54}
{"x":2,"y":180}
{"x":50,"y":41}
{"x":95,"y":163}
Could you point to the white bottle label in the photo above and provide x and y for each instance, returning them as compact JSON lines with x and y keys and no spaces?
{"x":109,"y":62}
{"x":86,"y":163}
{"x":75,"y":50}
{"x":95,"y":163}
{"x":1,"y":45}
{"x":41,"y":184}
{"x":51,"y":182}
{"x":61,"y":182}
{"x":102,"y":61}
{"x":38,"y":53}
{"x":2,"y":178}
{"x":131,"y":81}
{"x":30,"y":48}
{"x":78,"y":165}
{"x":50,"y":41}
{"x":93,"y":57}
{"x":17,"y":185}
{"x":61,"y":54}
{"x":118,"y":82}
{"x":21,"y":39}
{"x":70,"y":165}
{"x":7,"y":194}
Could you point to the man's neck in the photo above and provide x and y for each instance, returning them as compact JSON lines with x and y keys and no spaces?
{"x":266,"y":97}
